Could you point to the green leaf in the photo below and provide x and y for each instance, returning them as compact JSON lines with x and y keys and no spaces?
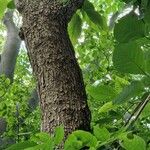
{"x":146,"y":15}
{"x":41,"y":147}
{"x":93,"y":15}
{"x":92,"y":148}
{"x":147,"y":61}
{"x":7,"y":81}
{"x":129,"y":91}
{"x":101,"y":92}
{"x":146,"y":81}
{"x":146,"y":111}
{"x":135,"y":143}
{"x":3,"y":6}
{"x":129,"y":28}
{"x":106,"y":107}
{"x":128,"y":1}
{"x":44,"y":141}
{"x":22,"y":145}
{"x":59,"y":135}
{"x":144,"y":4}
{"x":102,"y":134}
{"x":43,"y":137}
{"x":120,"y":83}
{"x":79,"y":139}
{"x":88,"y":5}
{"x":11,"y":5}
{"x":75,"y":28}
{"x":72,"y":143}
{"x":129,"y":58}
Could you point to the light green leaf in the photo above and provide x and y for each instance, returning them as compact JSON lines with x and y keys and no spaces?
{"x":79,"y":139}
{"x":120,"y":83}
{"x":59,"y":135}
{"x":92,"y":148}
{"x":44,"y":140}
{"x":22,"y":145}
{"x":146,"y":111}
{"x":102,"y":134}
{"x":135,"y":143}
{"x":106,"y":107}
{"x":72,"y":143}
{"x":44,"y":146}
{"x":3,"y":6}
{"x":129,"y":91}
{"x":75,"y":28}
{"x":129,"y":58}
{"x":101,"y":92}
{"x":129,"y":28}
{"x":43,"y":137}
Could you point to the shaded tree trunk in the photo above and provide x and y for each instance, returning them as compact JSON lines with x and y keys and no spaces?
{"x":11,"y":47}
{"x":9,"y":54}
{"x":60,"y":84}
{"x":7,"y":66}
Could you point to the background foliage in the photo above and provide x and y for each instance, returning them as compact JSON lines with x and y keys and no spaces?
{"x":112,"y":43}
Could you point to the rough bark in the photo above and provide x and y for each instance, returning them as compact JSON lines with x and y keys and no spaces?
{"x":60,"y":84}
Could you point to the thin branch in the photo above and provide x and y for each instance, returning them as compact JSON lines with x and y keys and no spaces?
{"x":137,"y":111}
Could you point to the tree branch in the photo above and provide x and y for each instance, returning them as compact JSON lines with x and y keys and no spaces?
{"x":137,"y":111}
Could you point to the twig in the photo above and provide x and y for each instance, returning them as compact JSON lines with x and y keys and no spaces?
{"x":137,"y":111}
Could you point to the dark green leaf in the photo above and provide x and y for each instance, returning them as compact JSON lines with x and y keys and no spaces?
{"x":11,"y":5}
{"x":128,"y":1}
{"x":146,"y":15}
{"x":129,"y":58}
{"x":93,"y":15}
{"x":146,"y":81}
{"x":129,"y":28}
{"x":147,"y":61}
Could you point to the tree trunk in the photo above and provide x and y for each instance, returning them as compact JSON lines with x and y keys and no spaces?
{"x":9,"y":55}
{"x":11,"y":47}
{"x":7,"y":66}
{"x":60,"y":84}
